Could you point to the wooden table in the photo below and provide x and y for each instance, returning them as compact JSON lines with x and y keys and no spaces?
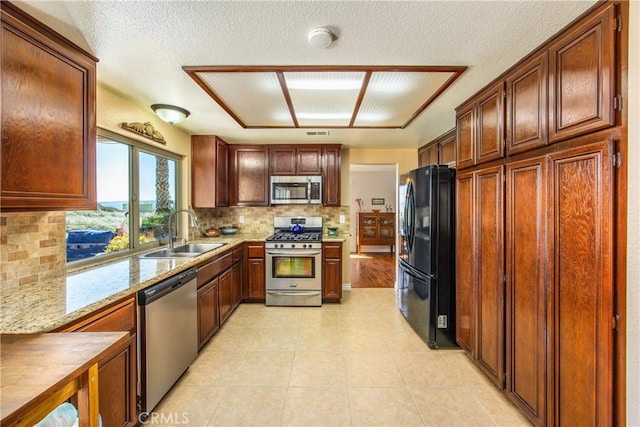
{"x":41,"y":371}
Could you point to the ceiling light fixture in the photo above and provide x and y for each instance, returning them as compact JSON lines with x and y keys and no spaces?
{"x":321,"y":38}
{"x":170,"y":113}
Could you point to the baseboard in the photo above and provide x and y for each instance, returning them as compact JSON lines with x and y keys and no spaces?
{"x":346,"y":286}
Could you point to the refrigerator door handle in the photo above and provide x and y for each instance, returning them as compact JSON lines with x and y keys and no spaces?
{"x":410,"y":216}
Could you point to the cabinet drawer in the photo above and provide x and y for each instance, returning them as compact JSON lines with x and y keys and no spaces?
{"x":208,"y":271}
{"x":121,"y":317}
{"x":332,"y":251}
{"x":255,"y":251}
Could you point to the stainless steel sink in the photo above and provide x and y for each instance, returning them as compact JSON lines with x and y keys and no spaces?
{"x":190,"y":250}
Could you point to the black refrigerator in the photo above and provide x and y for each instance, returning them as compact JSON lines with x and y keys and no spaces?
{"x":426,"y":266}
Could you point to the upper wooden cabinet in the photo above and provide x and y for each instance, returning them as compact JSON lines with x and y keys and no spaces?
{"x":440,"y":151}
{"x":480,"y":127}
{"x":526,"y":125}
{"x":331,"y":175}
{"x":249,"y":175}
{"x":295,"y":160}
{"x":209,"y":172}
{"x":48,"y":118}
{"x":582,"y":67}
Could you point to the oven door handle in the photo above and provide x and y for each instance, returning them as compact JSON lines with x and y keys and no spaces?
{"x":291,"y":253}
{"x":293,"y":293}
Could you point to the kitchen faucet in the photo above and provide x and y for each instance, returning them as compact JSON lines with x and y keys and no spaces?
{"x":194,"y":223}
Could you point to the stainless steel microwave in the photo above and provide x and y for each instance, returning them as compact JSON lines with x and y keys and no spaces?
{"x":296,"y":190}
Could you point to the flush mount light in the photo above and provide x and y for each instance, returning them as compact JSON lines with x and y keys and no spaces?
{"x":321,"y":38}
{"x":170,"y":113}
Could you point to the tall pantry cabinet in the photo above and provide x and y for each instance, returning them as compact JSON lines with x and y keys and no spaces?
{"x":536,"y":228}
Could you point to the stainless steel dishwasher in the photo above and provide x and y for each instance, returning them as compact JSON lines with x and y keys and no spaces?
{"x":167,"y":335}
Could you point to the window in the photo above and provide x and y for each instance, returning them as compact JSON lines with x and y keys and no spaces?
{"x":137,"y":189}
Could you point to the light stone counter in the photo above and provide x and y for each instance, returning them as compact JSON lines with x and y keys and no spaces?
{"x":48,"y":305}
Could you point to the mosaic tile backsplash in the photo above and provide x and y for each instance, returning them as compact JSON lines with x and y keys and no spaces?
{"x":32,"y":247}
{"x":260,"y":220}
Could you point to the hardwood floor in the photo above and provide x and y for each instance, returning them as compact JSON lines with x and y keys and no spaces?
{"x":373,"y":270}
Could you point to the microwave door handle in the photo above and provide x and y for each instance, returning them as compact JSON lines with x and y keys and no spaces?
{"x":309,"y":190}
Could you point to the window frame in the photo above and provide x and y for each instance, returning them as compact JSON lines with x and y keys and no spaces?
{"x":135,"y":147}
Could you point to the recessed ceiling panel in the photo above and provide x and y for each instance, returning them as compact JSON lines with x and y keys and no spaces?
{"x":324,"y":98}
{"x":393,"y":98}
{"x":255,"y":98}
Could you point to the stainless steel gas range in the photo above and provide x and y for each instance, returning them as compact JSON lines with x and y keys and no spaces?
{"x":294,"y":262}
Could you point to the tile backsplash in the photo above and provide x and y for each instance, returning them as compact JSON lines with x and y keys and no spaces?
{"x":32,"y":247}
{"x":260,"y":219}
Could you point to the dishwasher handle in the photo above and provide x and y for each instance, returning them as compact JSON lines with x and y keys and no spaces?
{"x":160,"y":289}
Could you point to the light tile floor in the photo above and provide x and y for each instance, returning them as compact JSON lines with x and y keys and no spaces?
{"x":352,"y":364}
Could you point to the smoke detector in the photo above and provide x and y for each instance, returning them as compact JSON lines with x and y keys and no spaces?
{"x":321,"y":38}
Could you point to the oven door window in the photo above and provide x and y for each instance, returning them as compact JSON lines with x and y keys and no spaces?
{"x":299,"y":267}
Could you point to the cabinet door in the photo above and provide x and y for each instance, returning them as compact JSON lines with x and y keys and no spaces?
{"x":48,"y":120}
{"x":250,"y":175}
{"x":309,"y":161}
{"x":423,"y":156}
{"x":581,"y":295}
{"x":282,"y":160}
{"x":256,"y":278}
{"x":526,"y":126}
{"x":490,"y":272}
{"x":527,"y":274}
{"x":236,"y":287}
{"x":208,"y":315}
{"x":582,"y":77}
{"x":225,"y":295}
{"x":331,"y":176}
{"x":209,"y":172}
{"x":466,"y":294}
{"x":117,"y":395}
{"x":222,"y":173}
{"x":490,"y":124}
{"x":432,"y":153}
{"x":332,"y":271}
{"x":447,"y":151}
{"x":465,"y":135}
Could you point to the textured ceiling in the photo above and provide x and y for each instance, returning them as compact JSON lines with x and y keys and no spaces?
{"x":142,"y":46}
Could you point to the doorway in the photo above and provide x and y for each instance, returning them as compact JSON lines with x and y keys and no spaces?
{"x":373,"y":187}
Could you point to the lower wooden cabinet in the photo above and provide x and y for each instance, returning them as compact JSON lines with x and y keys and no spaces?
{"x":225,"y":296}
{"x":542,"y":329}
{"x":117,"y":371}
{"x":332,"y":271}
{"x":208,"y":312}
{"x":236,"y":285}
{"x":254,"y":272}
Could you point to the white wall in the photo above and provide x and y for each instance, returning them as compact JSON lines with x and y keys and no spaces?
{"x":633,"y":221}
{"x":367,"y":185}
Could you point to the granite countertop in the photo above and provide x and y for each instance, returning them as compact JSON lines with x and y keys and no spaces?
{"x":48,"y":305}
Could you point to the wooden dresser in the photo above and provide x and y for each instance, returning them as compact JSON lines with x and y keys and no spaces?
{"x":376,"y":228}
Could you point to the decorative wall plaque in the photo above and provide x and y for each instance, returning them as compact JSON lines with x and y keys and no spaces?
{"x":145,"y":129}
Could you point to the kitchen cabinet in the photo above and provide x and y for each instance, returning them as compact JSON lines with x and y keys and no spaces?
{"x":331,"y":271}
{"x":480,"y":290}
{"x":236,"y":269}
{"x":249,"y":175}
{"x":254,"y":272}
{"x":440,"y":151}
{"x":480,"y":127}
{"x":331,"y":175}
{"x":225,"y":295}
{"x":466,"y":289}
{"x":526,"y":105}
{"x":209,"y":172}
{"x":48,"y":108}
{"x":289,"y":160}
{"x":117,"y":371}
{"x":376,"y":229}
{"x":527,"y":220}
{"x":582,"y":68}
{"x":208,"y":311}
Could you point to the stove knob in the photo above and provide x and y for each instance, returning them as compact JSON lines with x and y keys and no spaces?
{"x":304,"y":246}
{"x":293,"y":245}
